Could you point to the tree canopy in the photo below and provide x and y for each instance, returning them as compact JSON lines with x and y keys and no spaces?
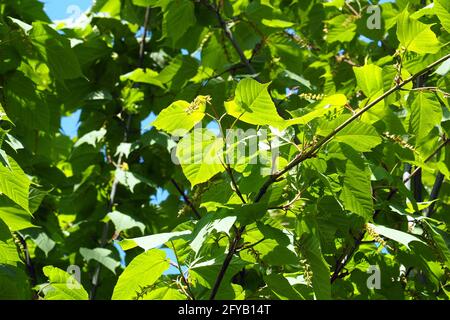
{"x":301,"y":148}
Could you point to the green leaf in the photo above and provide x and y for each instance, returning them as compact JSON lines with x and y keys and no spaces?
{"x":441,"y":240}
{"x":281,"y":287}
{"x":200,"y":154}
{"x":13,"y":142}
{"x":334,"y":3}
{"x":249,"y":212}
{"x":15,"y":184}
{"x":56,"y":51}
{"x":92,"y":138}
{"x":209,"y":223}
{"x":13,"y":278}
{"x":144,"y":270}
{"x":276,"y":23}
{"x":143,"y":76}
{"x":147,"y":3}
{"x":312,"y":251}
{"x":341,"y":29}
{"x":252,"y":104}
{"x":205,"y":272}
{"x":415,"y":35}
{"x":41,"y":239}
{"x":14,"y":216}
{"x":125,"y":148}
{"x":444,"y":68}
{"x":426,"y":113}
{"x":164,"y":293}
{"x":328,"y":104}
{"x":272,"y":245}
{"x":112,"y":7}
{"x":399,"y":236}
{"x":357,"y":189}
{"x":370,"y":79}
{"x":181,"y":116}
{"x":24,"y":104}
{"x":130,"y":179}
{"x":178,"y":72}
{"x":154,"y":240}
{"x":442,"y":9}
{"x":178,"y":17}
{"x":124,"y":222}
{"x":102,"y":256}
{"x":62,"y":286}
{"x":360,"y":136}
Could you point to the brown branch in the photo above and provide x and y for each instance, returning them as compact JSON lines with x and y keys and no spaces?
{"x":343,"y":260}
{"x":303,"y":156}
{"x":434,"y":193}
{"x":442,"y":145}
{"x":186,"y":282}
{"x":23,"y":248}
{"x":186,"y":199}
{"x":231,"y":251}
{"x":223,"y":24}
{"x":234,"y":183}
{"x":112,"y":196}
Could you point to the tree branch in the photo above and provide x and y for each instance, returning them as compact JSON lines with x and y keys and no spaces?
{"x":112,"y":196}
{"x":186,"y":199}
{"x":305,"y":155}
{"x":188,"y":286}
{"x":231,"y":251}
{"x":442,"y":145}
{"x":26,"y":257}
{"x":342,"y":262}
{"x":229,"y":35}
{"x":302,"y":156}
{"x":434,"y":193}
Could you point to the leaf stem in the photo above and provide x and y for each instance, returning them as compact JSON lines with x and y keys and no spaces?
{"x":188,"y":286}
{"x":186,"y":199}
{"x":306,"y":155}
{"x":343,"y":260}
{"x":112,"y":196}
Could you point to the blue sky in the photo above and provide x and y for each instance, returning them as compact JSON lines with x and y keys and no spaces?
{"x":58,"y":9}
{"x":64,"y":9}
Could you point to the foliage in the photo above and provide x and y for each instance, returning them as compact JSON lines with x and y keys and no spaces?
{"x":298,"y":145}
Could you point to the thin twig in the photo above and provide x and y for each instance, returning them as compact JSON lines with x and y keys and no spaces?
{"x":343,"y":260}
{"x":301,"y":157}
{"x":229,"y":35}
{"x":290,"y":203}
{"x":188,"y":286}
{"x":27,"y":258}
{"x":234,"y":183}
{"x":434,"y":193}
{"x":112,"y":196}
{"x":356,"y":13}
{"x":252,"y":244}
{"x":442,"y":145}
{"x":306,"y":155}
{"x":186,"y":199}
{"x":232,"y":250}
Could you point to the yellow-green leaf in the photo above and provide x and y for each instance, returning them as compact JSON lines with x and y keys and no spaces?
{"x":143,"y":271}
